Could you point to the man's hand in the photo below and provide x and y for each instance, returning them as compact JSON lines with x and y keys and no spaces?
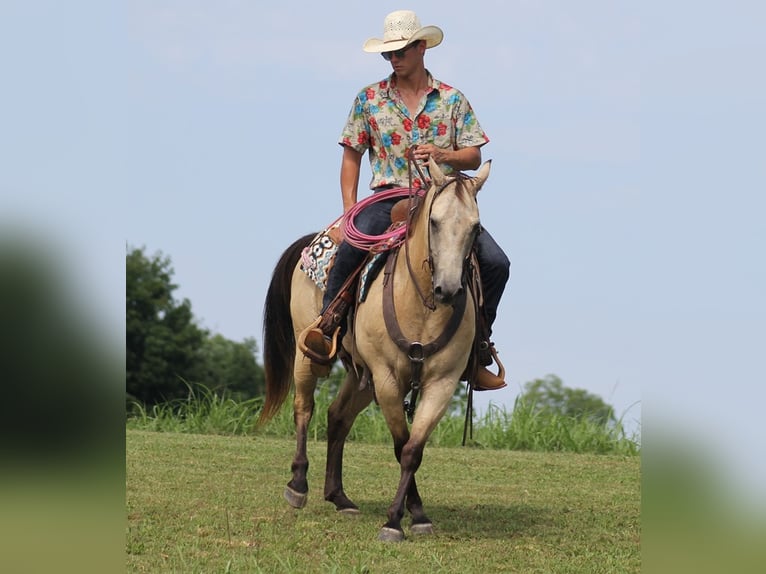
{"x":424,"y":151}
{"x":459,"y":159}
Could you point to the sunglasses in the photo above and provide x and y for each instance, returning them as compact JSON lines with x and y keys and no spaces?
{"x":398,"y":53}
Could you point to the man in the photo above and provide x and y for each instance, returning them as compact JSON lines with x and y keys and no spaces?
{"x":410,"y":112}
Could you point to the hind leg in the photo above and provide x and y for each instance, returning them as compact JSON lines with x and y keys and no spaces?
{"x":297,"y":489}
{"x":341,"y":415}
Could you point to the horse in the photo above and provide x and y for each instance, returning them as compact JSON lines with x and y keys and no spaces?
{"x":393,"y":354}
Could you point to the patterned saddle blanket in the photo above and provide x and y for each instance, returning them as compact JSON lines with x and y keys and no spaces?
{"x":317,"y":259}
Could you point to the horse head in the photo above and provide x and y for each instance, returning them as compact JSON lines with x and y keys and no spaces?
{"x":453,"y":224}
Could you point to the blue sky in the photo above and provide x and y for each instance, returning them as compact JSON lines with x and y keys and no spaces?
{"x":626,"y":185}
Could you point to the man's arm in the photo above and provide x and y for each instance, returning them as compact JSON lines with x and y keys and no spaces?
{"x":349,"y":176}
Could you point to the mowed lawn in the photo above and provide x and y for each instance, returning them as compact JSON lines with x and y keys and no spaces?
{"x":207,"y":503}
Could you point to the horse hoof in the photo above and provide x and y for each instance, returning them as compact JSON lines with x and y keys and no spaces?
{"x":350,"y":511}
{"x":423,"y":528}
{"x":390,"y":535}
{"x":294,"y":498}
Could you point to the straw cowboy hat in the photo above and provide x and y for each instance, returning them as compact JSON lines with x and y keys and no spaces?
{"x":401,"y":28}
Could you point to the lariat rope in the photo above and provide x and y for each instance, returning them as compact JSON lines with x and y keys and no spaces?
{"x":392,"y":238}
{"x":385,"y":241}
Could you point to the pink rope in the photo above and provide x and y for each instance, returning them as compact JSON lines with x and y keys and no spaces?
{"x":388,"y":240}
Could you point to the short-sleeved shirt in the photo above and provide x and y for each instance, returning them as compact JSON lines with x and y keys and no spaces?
{"x":380,"y":122}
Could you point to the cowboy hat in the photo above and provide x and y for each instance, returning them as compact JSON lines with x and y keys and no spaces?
{"x":401,"y":28}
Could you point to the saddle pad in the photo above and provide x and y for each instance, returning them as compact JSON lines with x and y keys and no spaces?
{"x":319,"y":255}
{"x":317,"y":259}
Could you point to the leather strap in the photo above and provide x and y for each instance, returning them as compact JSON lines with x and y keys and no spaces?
{"x":392,"y":324}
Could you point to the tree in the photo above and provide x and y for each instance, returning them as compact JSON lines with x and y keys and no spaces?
{"x":549,"y":396}
{"x":162,"y":339}
{"x":167,"y":352}
{"x":230,"y":368}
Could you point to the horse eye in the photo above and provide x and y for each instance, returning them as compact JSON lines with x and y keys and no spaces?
{"x":434,"y":224}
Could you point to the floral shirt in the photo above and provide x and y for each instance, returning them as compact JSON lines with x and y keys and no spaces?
{"x":380,"y":122}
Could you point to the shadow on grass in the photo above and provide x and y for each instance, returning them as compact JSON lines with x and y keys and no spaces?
{"x":473,"y":521}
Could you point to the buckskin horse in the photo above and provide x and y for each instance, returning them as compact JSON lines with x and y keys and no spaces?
{"x":411,"y":336}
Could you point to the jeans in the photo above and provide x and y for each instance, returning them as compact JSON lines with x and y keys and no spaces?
{"x":494,"y":270}
{"x":494,"y":266}
{"x":372,"y":220}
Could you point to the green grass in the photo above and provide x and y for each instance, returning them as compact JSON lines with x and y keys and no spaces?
{"x":212,"y":503}
{"x":523,"y":428}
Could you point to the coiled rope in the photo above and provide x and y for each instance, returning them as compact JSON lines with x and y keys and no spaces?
{"x":376,"y":243}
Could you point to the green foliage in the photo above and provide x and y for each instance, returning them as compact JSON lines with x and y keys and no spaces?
{"x":230,"y":367}
{"x":201,"y":412}
{"x":529,"y":428}
{"x":524,"y":428}
{"x":549,"y":397}
{"x":166,"y":347}
{"x":163,"y":341}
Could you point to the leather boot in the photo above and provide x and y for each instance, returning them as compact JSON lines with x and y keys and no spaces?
{"x":319,"y":341}
{"x":486,"y":380}
{"x":320,"y":348}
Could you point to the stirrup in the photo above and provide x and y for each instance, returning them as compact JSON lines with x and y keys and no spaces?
{"x":492,"y":382}
{"x":320,"y":349}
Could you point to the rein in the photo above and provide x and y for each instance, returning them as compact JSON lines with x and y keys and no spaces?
{"x":429,"y":261}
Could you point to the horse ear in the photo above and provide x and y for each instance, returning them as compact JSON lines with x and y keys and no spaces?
{"x":437,"y":175}
{"x":482,"y":176}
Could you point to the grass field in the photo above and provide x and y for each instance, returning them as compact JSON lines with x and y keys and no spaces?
{"x":520,"y":428}
{"x":210,"y":503}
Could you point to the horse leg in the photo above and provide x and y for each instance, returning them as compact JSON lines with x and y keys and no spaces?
{"x":408,"y":454}
{"x":297,"y":489}
{"x":340,"y":417}
{"x":421,"y":524}
{"x":408,"y":446}
{"x":433,"y":405}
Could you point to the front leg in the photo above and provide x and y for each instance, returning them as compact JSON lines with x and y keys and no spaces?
{"x":411,"y":456}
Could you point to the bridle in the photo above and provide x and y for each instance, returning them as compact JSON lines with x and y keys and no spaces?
{"x":459,"y":179}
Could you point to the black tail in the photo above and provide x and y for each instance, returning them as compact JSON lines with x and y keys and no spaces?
{"x":278,"y":334}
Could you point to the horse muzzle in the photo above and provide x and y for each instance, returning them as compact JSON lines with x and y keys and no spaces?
{"x":446,"y":296}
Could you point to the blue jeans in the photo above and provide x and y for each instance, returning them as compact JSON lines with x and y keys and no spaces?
{"x":372,"y":220}
{"x":494,"y":266}
{"x":494,"y":270}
